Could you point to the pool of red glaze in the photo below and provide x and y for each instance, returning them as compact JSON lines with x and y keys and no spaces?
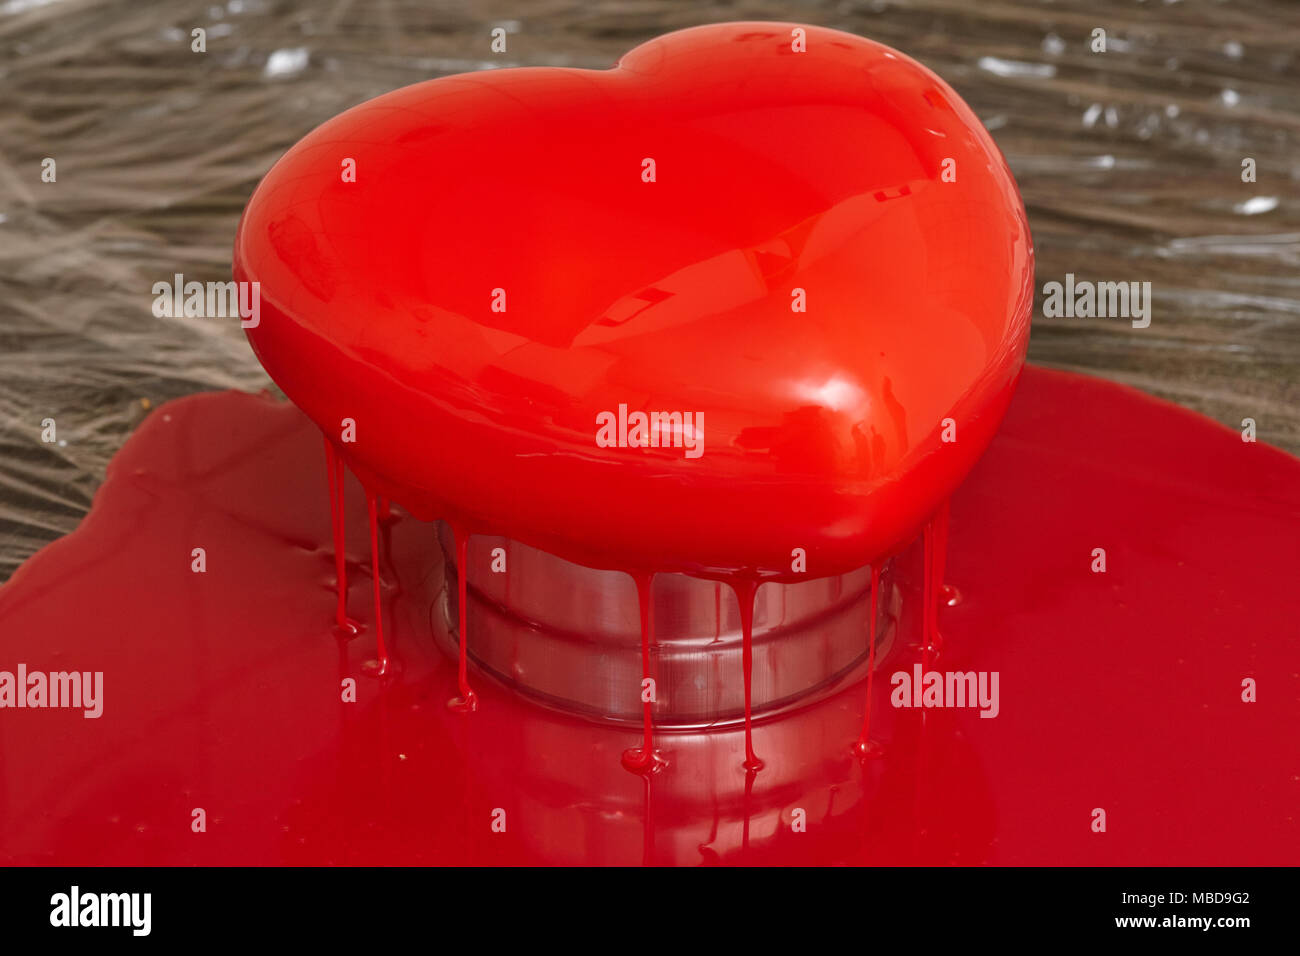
{"x":225,"y":690}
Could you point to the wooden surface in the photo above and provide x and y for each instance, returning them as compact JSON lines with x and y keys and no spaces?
{"x":1129,"y":162}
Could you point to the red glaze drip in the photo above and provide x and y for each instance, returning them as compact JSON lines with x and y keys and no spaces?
{"x":643,"y":758}
{"x":747,"y":809}
{"x":865,"y":747}
{"x":940,"y":565}
{"x":648,"y":824}
{"x":466,"y":700}
{"x":746,"y":588}
{"x":1121,"y":690}
{"x":935,"y":537}
{"x":344,"y":626}
{"x":717,"y":611}
{"x":380,"y":666}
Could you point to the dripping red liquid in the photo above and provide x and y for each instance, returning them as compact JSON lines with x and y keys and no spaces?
{"x":222,"y":693}
{"x":380,"y":666}
{"x":745,"y":588}
{"x":466,"y":700}
{"x":642,"y":759}
{"x":334,"y":473}
{"x":864,"y":746}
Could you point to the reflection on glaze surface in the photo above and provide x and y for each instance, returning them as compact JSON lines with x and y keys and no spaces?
{"x":774,"y":171}
{"x":222,"y":690}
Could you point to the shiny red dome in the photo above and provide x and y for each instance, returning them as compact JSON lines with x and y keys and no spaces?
{"x":504,"y":269}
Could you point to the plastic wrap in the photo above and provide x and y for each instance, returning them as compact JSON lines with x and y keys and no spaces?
{"x":1130,"y":163}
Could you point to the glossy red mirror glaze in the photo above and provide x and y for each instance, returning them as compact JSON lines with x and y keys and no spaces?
{"x":774,"y":171}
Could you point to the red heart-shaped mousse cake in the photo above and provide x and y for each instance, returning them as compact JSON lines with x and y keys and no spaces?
{"x":758,"y":287}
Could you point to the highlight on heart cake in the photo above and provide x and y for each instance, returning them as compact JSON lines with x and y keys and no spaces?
{"x":757,"y":287}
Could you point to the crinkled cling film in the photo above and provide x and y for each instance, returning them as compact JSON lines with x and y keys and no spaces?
{"x":1130,"y":173}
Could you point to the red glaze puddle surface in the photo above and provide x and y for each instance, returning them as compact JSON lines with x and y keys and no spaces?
{"x":222,"y":690}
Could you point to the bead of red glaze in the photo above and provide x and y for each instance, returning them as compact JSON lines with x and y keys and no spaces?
{"x":806,"y":238}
